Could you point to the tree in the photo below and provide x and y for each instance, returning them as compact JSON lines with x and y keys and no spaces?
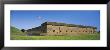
{"x":98,"y":31}
{"x":23,"y":30}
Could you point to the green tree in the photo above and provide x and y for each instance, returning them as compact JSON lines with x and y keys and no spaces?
{"x":23,"y":30}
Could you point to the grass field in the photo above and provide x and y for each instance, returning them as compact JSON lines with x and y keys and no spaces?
{"x":78,"y":37}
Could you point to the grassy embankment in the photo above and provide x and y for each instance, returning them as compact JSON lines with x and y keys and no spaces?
{"x":81,"y":37}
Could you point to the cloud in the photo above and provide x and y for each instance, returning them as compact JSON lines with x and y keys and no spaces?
{"x":39,"y":17}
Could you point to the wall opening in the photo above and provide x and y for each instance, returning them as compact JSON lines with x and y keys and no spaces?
{"x":66,"y":31}
{"x":53,"y":30}
{"x":60,"y":31}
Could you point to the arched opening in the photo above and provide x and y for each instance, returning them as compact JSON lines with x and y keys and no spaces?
{"x":53,"y":30}
{"x":66,"y":31}
{"x":60,"y":30}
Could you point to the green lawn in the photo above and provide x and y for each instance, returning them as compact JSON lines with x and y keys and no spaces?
{"x":78,"y":37}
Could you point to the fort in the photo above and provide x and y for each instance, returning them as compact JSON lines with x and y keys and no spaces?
{"x":55,"y":28}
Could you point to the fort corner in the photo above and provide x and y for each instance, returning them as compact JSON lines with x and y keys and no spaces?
{"x":55,"y":28}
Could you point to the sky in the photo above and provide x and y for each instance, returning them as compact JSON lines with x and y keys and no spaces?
{"x":27,"y":19}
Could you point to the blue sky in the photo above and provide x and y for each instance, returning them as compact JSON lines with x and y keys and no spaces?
{"x":26,"y":19}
